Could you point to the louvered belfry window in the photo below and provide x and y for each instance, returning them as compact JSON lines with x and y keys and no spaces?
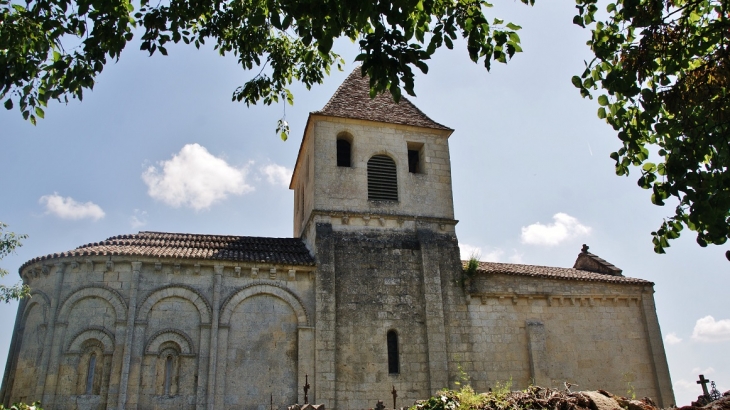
{"x":382,"y":179}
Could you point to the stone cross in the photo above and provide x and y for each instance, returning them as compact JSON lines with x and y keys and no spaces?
{"x":306,"y":389}
{"x":395,"y":394}
{"x":704,"y":382}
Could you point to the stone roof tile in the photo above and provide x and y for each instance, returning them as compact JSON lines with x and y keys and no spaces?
{"x":352,"y":100}
{"x":550,"y":272}
{"x":290,"y":251}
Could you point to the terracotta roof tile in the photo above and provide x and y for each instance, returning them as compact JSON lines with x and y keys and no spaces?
{"x":352,"y":100}
{"x":550,"y":272}
{"x":290,"y":251}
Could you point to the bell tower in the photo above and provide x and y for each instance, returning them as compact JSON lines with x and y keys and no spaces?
{"x":373,"y":203}
{"x":371,"y":164}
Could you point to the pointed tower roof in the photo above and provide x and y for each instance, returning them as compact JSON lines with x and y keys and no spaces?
{"x":352,"y":100}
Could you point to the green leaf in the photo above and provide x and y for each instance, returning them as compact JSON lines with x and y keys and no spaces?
{"x":576,"y":81}
{"x":603,"y":100}
{"x":513,"y":26}
{"x":8,"y":104}
{"x":39,"y":112}
{"x":601,"y":113}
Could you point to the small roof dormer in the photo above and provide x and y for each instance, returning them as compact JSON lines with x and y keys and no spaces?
{"x":592,"y":263}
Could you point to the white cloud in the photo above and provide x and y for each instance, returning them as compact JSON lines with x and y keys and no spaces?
{"x":516,"y":257}
{"x":565,"y":227}
{"x":68,"y":208}
{"x":672,"y":339}
{"x":708,"y":330}
{"x":195,"y":178}
{"x":698,"y":370}
{"x":487,"y":254}
{"x":685,"y":386}
{"x":139,"y":219}
{"x":277,"y":174}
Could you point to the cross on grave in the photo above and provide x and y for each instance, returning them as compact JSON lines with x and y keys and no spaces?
{"x":704,"y":382}
{"x":306,"y":389}
{"x":395,"y":394}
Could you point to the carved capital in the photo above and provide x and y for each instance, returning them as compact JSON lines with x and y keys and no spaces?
{"x":60,"y":267}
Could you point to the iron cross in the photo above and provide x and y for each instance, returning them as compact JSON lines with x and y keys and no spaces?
{"x":306,"y":389}
{"x":704,"y":382}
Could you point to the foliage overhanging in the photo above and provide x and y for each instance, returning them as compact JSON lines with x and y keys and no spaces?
{"x":8,"y":242}
{"x":664,"y":66}
{"x":54,"y":49}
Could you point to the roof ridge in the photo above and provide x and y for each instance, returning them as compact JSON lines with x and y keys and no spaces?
{"x":556,"y":273}
{"x":257,"y":249}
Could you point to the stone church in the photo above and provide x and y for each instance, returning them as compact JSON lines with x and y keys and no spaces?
{"x":369,"y":294}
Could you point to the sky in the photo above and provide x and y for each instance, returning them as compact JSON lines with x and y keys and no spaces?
{"x":159,"y":146}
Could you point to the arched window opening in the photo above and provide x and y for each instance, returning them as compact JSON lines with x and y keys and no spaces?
{"x":168,"y":374}
{"x":344,"y":152}
{"x":168,"y":369}
{"x":393,"y":361}
{"x":91,"y":369}
{"x":382,"y":179}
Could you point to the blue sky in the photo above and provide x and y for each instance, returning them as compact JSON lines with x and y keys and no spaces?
{"x":532,"y":176}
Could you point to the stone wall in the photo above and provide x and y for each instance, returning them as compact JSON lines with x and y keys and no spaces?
{"x":377,"y":283}
{"x":119,"y":333}
{"x":531,"y":330}
{"x":204,"y":335}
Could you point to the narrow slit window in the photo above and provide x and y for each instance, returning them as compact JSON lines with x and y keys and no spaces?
{"x":393,"y":361}
{"x":168,"y":374}
{"x":90,"y":374}
{"x":344,"y":149}
{"x":382,"y":179}
{"x":413,"y":157}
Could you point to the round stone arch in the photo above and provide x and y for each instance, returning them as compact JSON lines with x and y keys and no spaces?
{"x":179,"y":337}
{"x":37,"y":298}
{"x":180,"y":291}
{"x":105,"y":337}
{"x":386,"y":153}
{"x":94,"y":291}
{"x":263,"y":289}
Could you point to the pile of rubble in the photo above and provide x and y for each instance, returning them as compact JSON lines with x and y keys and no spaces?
{"x":707,"y":403}
{"x":536,"y":397}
